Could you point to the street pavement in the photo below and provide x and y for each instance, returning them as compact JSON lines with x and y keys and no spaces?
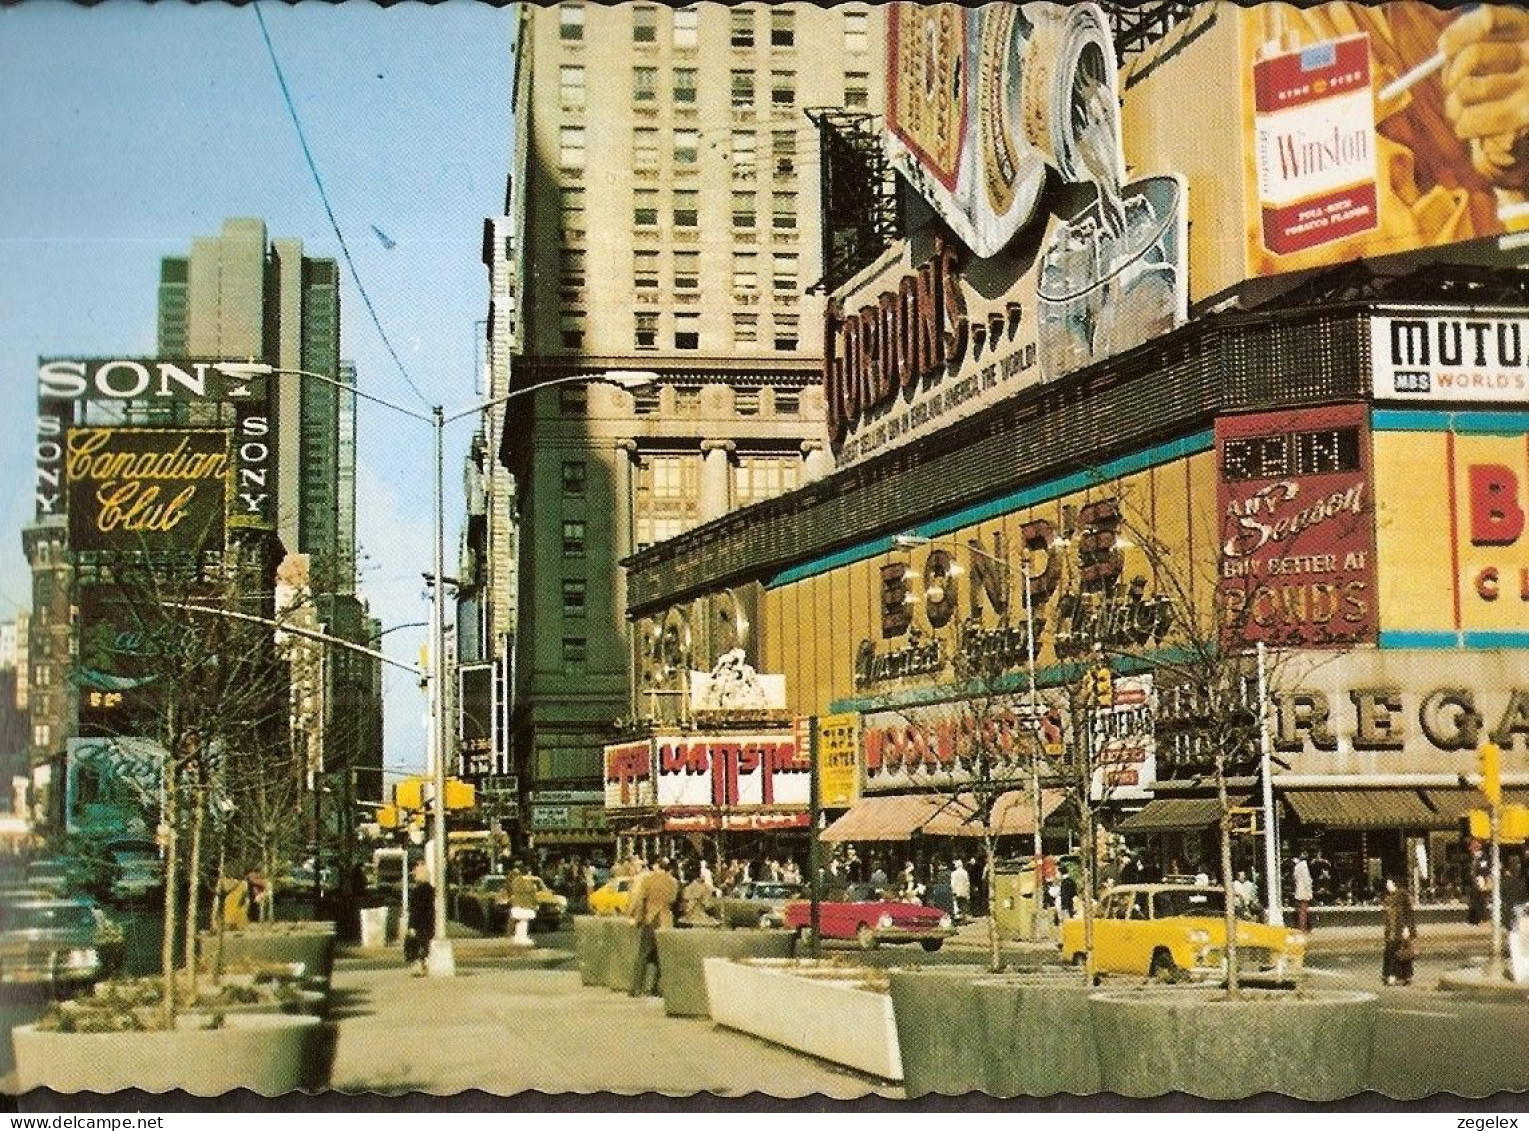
{"x":514,"y":1023}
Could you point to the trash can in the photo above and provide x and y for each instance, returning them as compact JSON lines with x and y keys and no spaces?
{"x":374,"y":926}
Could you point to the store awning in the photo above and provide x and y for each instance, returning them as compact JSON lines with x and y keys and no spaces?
{"x":1013,"y":814}
{"x":1453,"y":804}
{"x":1177,"y":815}
{"x":883,"y":818}
{"x":1364,"y":808}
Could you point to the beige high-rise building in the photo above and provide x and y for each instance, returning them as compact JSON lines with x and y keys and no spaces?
{"x":671,"y":225}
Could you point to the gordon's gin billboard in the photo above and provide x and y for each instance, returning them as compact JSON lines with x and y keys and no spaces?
{"x":1314,"y":132}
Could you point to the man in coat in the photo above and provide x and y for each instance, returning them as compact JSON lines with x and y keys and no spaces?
{"x":651,"y":908}
{"x":1300,"y":878}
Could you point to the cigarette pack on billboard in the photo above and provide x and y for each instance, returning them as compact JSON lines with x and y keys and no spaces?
{"x":1314,"y":132}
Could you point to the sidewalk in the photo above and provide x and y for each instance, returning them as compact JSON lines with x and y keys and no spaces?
{"x":514,"y":1022}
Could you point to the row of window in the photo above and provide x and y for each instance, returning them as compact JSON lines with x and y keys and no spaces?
{"x":573,"y":89}
{"x":687,"y":402}
{"x":685,"y":209}
{"x":785,"y":330}
{"x":785,"y":276}
{"x":685,"y":27}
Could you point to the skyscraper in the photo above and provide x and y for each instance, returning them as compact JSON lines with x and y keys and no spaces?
{"x":241,"y":295}
{"x":668,"y":223}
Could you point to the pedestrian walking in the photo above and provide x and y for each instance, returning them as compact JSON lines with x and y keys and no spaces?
{"x":1400,"y":941}
{"x":1300,"y":891}
{"x":960,"y":889}
{"x":652,"y":909}
{"x":1067,"y":894}
{"x":1480,"y":880}
{"x":1244,"y":896}
{"x":421,"y":926}
{"x":521,"y":888}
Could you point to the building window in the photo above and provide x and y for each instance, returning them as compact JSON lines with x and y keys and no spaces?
{"x":573,"y":400}
{"x":571,"y":87}
{"x":788,"y":402}
{"x":783,"y":152}
{"x":746,"y":402}
{"x":644,"y":24}
{"x":745,"y":329}
{"x":687,"y":330}
{"x":684,"y":86}
{"x":685,"y":25}
{"x":857,"y":90}
{"x":687,"y":203}
{"x":573,"y":537}
{"x":570,"y":147}
{"x":575,"y":652}
{"x":571,"y":205}
{"x":570,"y":21}
{"x":783,"y":90}
{"x":645,"y":269}
{"x":646,"y":337}
{"x":784,"y":277}
{"x":782,"y":27}
{"x":687,"y":147}
{"x":645,"y":150}
{"x":786,"y":332}
{"x":783,"y":211}
{"x":745,"y":273}
{"x":575,"y":590}
{"x":644,"y":84}
{"x":574,"y":274}
{"x":757,"y":478}
{"x":571,"y":329}
{"x":687,"y":270}
{"x":645,"y":208}
{"x":743,"y":27}
{"x":745,"y":211}
{"x":743,"y":90}
{"x":744,"y":152}
{"x":575,"y":476}
{"x":856,"y":31}
{"x":645,"y":401}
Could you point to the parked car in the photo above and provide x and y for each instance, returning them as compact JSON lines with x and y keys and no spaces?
{"x":759,"y":903}
{"x":486,"y":905}
{"x":610,"y":898}
{"x":1177,"y":932}
{"x":136,"y":872}
{"x":63,"y":944}
{"x":871,"y":922}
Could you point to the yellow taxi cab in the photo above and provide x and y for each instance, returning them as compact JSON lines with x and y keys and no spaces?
{"x":610,"y":898}
{"x":1177,"y":932}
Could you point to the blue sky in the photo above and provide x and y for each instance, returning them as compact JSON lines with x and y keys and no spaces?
{"x":127,"y":129}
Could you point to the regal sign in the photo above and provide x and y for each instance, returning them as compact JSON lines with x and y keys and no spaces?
{"x":146,"y":488}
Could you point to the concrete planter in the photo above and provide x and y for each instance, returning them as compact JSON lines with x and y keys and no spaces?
{"x":822,"y":1010}
{"x":621,"y":955}
{"x":1309,"y":1044}
{"x":939,"y":1034}
{"x":311,"y":945}
{"x":965,"y":1029}
{"x":1038,"y":1033}
{"x":269,"y":1053}
{"x":592,"y":944}
{"x":682,"y":951}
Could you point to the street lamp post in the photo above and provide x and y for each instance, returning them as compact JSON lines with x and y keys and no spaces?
{"x":441,"y":961}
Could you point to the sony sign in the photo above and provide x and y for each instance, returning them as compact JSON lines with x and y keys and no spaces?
{"x":132,"y":379}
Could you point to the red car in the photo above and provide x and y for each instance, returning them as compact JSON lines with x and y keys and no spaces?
{"x":872,"y":922}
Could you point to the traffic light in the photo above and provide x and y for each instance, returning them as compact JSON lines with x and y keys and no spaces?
{"x":459,"y":794}
{"x":1489,"y":758}
{"x":1512,"y":824}
{"x":1104,"y":687}
{"x":410,"y":793}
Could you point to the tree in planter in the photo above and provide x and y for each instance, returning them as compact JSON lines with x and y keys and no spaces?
{"x":208,"y":690}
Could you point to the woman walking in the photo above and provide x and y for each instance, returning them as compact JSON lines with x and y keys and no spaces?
{"x":1400,"y":938}
{"x":421,"y":925}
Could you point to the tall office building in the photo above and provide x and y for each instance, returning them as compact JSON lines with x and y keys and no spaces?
{"x":669,"y":224}
{"x":242,"y":295}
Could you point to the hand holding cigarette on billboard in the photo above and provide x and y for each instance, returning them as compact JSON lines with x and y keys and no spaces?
{"x":1486,"y":90}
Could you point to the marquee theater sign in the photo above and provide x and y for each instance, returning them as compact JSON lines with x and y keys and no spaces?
{"x":743,"y":780}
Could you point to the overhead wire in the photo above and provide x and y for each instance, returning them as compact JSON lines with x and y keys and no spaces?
{"x":334,"y":223}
